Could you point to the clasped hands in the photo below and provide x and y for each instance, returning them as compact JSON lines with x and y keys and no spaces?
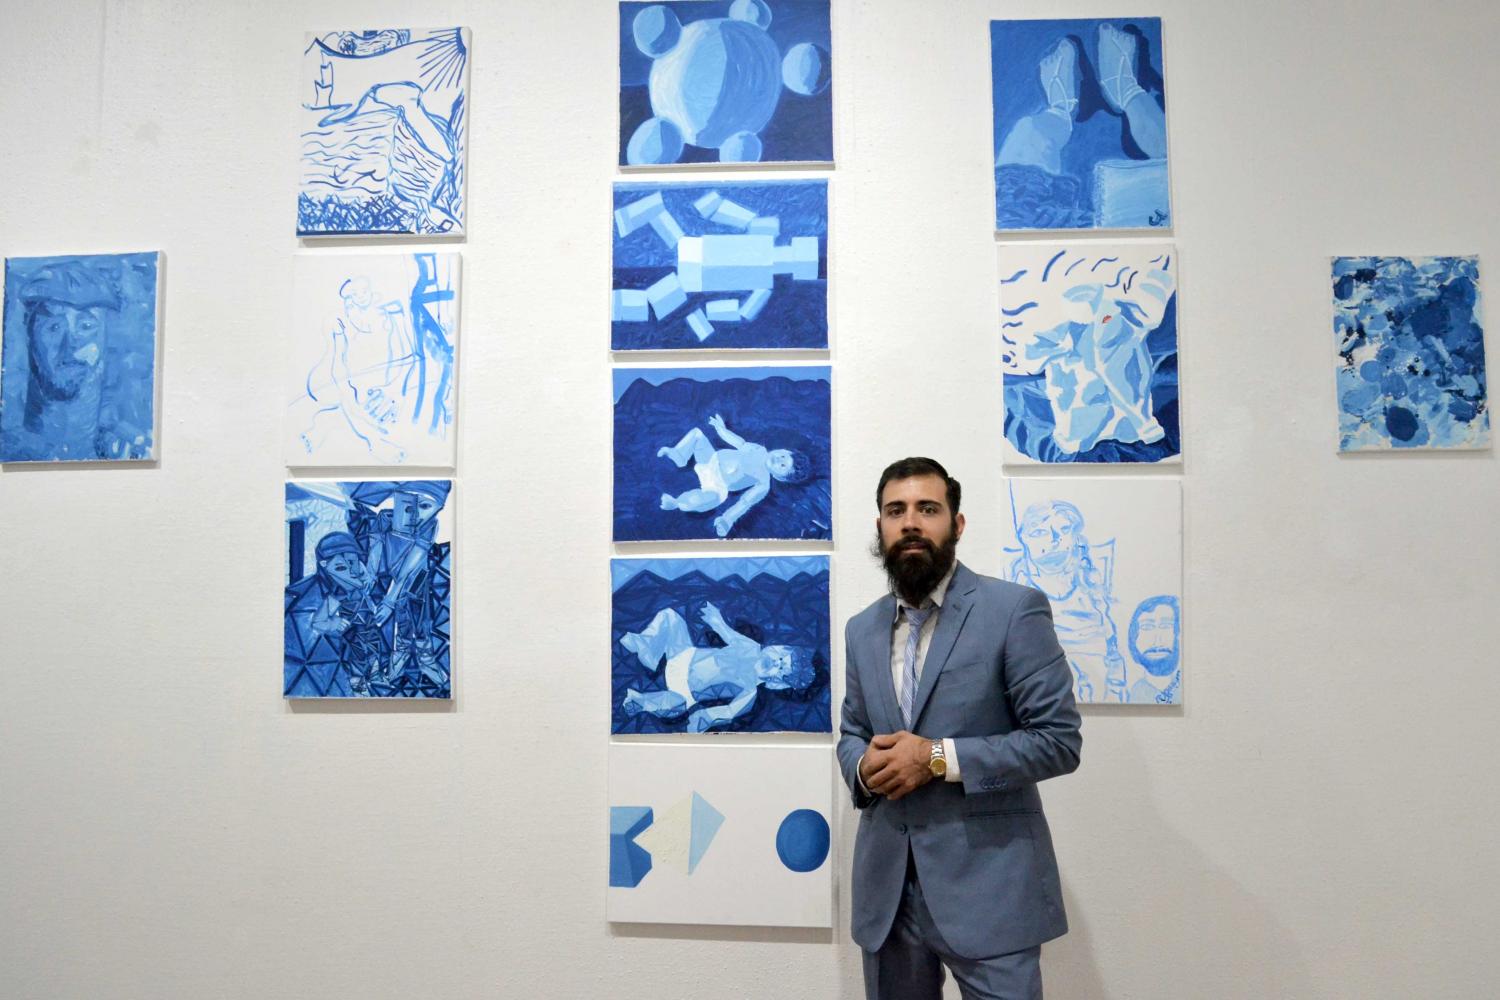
{"x":896,"y":764}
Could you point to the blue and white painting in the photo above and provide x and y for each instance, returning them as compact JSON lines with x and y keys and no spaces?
{"x":372,"y":360}
{"x":720,"y":266}
{"x":720,"y":834}
{"x":1108,"y":555}
{"x":1080,"y":124}
{"x":1410,"y":341}
{"x":1088,"y":351}
{"x":720,"y":645}
{"x":369,"y":589}
{"x":725,"y":81}
{"x":384,"y":132}
{"x":722,"y":453}
{"x":78,"y":358}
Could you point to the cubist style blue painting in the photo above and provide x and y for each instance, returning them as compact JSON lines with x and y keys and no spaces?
{"x":1410,"y":342}
{"x":1080,"y":124}
{"x":384,"y":117}
{"x":78,"y":359}
{"x":369,"y":589}
{"x":1088,"y":348}
{"x":720,"y":266}
{"x":722,"y":453}
{"x":731,"y":81}
{"x":720,"y":645}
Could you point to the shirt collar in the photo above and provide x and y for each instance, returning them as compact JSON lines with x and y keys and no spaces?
{"x":938,"y":593}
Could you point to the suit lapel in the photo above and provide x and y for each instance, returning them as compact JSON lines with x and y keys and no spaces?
{"x":956,"y":607}
{"x":878,"y":655}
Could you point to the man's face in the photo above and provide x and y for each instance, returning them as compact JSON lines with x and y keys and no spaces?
{"x":413,"y":510}
{"x":914,"y":517}
{"x":66,"y":345}
{"x":346,"y":570}
{"x":1156,"y":638}
{"x":1049,"y":541}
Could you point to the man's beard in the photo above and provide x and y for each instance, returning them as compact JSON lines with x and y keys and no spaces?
{"x":914,"y":574}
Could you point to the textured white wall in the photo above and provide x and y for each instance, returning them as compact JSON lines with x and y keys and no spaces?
{"x":1316,"y":822}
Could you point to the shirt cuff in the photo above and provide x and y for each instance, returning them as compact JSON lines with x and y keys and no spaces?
{"x":861,"y":778}
{"x":950,"y":754}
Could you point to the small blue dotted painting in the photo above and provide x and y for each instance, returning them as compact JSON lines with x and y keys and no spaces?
{"x":1411,"y":353}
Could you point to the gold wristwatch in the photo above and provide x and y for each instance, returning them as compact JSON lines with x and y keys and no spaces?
{"x":938,"y":764}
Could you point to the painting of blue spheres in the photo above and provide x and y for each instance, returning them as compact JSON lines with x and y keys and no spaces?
{"x":722,"y":453}
{"x":384,"y":120}
{"x":369,"y":589}
{"x":720,"y":266}
{"x":720,"y":645}
{"x":725,"y":81}
{"x":78,"y":358}
{"x":1080,"y":124}
{"x":1410,"y":342}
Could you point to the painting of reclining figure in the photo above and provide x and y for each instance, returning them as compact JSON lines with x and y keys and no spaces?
{"x":372,"y":360}
{"x":384,"y":122}
{"x":720,"y":835}
{"x":78,"y":358}
{"x":720,"y":645}
{"x":1108,"y":555}
{"x":720,"y":266}
{"x":1080,"y":124}
{"x":1088,"y":351}
{"x":722,"y":453}
{"x":725,"y":81}
{"x":369,"y":589}
{"x":1410,"y":341}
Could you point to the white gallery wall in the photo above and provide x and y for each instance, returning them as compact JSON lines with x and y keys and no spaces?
{"x":1317,"y":820}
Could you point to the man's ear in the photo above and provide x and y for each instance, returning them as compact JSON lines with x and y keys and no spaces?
{"x":959,"y":532}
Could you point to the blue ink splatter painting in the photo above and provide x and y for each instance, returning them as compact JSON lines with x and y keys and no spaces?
{"x":384,"y":132}
{"x":78,"y":359}
{"x":722,"y":453}
{"x":369,"y":589}
{"x":720,"y":266}
{"x":372,"y":360}
{"x":1088,"y":348}
{"x":1080,"y":124}
{"x":720,"y":645}
{"x":1411,"y":353}
{"x":1108,"y":555}
{"x":731,"y":81}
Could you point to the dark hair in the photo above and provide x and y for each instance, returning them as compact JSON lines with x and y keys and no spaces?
{"x":906,"y":468}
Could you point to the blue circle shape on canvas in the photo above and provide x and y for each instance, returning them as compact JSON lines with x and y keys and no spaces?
{"x":802,"y":840}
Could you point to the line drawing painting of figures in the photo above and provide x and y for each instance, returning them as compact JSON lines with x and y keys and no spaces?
{"x":1094,"y":547}
{"x":372,"y":360}
{"x":1080,"y":124}
{"x":764,"y":472}
{"x":1088,"y":349}
{"x":733,"y":645}
{"x":78,"y":358}
{"x":369,"y":585}
{"x":1410,"y":344}
{"x":384,"y":132}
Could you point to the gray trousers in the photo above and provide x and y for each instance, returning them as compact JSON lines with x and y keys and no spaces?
{"x":909,"y":966}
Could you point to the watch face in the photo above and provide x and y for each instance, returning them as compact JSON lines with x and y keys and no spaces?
{"x":939,"y":767}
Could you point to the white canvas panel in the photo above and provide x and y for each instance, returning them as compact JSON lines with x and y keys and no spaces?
{"x":373,"y":360}
{"x":1108,"y":555}
{"x":735,"y":835}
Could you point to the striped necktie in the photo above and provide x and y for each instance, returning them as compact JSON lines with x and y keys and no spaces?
{"x":916,"y":618}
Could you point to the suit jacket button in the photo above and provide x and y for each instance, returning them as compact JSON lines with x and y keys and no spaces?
{"x":901,"y":828}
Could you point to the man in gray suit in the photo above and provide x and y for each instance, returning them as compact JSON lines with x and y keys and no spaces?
{"x":958,"y":700}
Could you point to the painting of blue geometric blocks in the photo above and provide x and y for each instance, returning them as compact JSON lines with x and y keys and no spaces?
{"x":385,"y":122}
{"x":720,"y":834}
{"x":720,"y":645}
{"x":726,"y":81}
{"x":1088,"y":352}
{"x":716,"y":266}
{"x":369,"y":589}
{"x":722,"y":453}
{"x":1410,"y":342}
{"x":78,"y":358}
{"x":1080,"y":124}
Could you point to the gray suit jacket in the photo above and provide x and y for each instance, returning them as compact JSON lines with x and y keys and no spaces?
{"x":996,"y":681}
